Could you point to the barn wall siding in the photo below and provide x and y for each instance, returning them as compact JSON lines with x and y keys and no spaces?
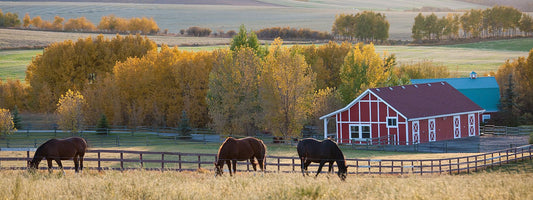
{"x":370,"y":110}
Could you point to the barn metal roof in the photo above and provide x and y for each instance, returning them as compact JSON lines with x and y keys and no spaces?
{"x":420,"y":101}
{"x":484,"y":91}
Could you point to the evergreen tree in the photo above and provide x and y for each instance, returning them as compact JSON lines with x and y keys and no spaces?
{"x":16,"y":118}
{"x":102,"y":126}
{"x":185,"y":128}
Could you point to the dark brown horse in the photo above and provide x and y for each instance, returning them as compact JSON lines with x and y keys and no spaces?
{"x":233,"y":150}
{"x":60,"y":149}
{"x":311,"y":150}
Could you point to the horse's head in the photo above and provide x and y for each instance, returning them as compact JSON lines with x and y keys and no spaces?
{"x":218,"y":169}
{"x":343,"y":170}
{"x":33,"y":164}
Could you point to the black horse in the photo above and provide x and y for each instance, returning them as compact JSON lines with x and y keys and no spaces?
{"x":312,"y":150}
{"x":233,"y":150}
{"x":60,"y":149}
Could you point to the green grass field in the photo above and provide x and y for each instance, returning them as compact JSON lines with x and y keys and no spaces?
{"x":13,"y":63}
{"x":522,"y":44}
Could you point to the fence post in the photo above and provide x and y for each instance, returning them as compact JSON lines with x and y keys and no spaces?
{"x":162,"y":161}
{"x":179,"y":162}
{"x":121,"y":161}
{"x":200,"y":162}
{"x":141,"y":159}
{"x":98,"y":160}
{"x":292,"y":164}
{"x":450,"y":165}
{"x":278,"y":165}
{"x":468,"y":164}
{"x":421,"y":168}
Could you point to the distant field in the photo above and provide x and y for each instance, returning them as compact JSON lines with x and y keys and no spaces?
{"x":312,"y":14}
{"x":522,"y":44}
{"x":13,"y":63}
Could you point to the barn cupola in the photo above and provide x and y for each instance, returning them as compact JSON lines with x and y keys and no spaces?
{"x":473,"y":75}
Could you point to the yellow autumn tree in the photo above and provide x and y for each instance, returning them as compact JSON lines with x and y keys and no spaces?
{"x":233,"y":98}
{"x":286,"y":91}
{"x":6,"y":122}
{"x":326,"y":61}
{"x":70,"y":111}
{"x":26,"y":21}
{"x":362,"y":69}
{"x":154,"y":90}
{"x":72,"y":65}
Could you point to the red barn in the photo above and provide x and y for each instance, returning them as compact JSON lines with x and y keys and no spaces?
{"x":405,"y":115}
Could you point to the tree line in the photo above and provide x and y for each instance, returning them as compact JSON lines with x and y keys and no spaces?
{"x":241,"y":90}
{"x":292,"y":34}
{"x":495,"y":22}
{"x":9,"y":19}
{"x":366,"y":26}
{"x":108,"y":24}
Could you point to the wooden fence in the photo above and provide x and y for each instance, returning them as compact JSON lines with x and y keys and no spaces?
{"x":504,"y":130}
{"x":176,"y":161}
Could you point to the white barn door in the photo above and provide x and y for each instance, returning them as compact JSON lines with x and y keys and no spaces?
{"x":416,"y":132}
{"x":431,"y":130}
{"x":471,"y":125}
{"x":456,"y":127}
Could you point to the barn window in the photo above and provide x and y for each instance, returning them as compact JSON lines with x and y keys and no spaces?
{"x":392,"y":122}
{"x":359,"y":132}
{"x":486,"y":118}
{"x":354,"y":131}
{"x":365,"y":131}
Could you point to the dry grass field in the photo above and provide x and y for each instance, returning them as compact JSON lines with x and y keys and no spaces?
{"x":501,"y":184}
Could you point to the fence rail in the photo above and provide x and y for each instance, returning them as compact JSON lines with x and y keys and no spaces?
{"x":504,"y":130}
{"x":177,"y":161}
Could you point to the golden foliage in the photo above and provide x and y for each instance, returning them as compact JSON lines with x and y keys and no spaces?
{"x":6,"y":122}
{"x":233,"y":97}
{"x":363,"y":68}
{"x":70,"y":111}
{"x":287,"y":86}
{"x":73,"y":65}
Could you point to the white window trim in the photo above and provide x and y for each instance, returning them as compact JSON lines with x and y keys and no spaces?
{"x":485,"y":118}
{"x":395,"y":126}
{"x":360,"y":132}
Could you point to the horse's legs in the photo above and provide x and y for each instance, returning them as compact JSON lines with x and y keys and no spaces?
{"x":306,"y":165}
{"x":49,"y":161}
{"x":58,"y":161}
{"x":261,"y":163}
{"x":253,"y":164}
{"x":320,"y":167}
{"x":330,"y":170}
{"x":76,"y":163}
{"x":234,"y":166}
{"x":302,"y":161}
{"x":228,"y":162}
{"x":81,"y":163}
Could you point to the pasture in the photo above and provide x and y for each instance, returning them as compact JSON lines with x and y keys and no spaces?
{"x":502,"y":183}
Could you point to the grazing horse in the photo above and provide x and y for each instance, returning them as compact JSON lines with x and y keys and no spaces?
{"x":60,"y":149}
{"x":311,"y":150}
{"x":233,"y":150}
